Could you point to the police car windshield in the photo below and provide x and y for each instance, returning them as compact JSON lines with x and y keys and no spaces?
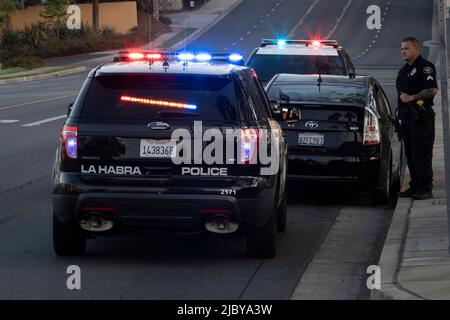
{"x":161,"y":96}
{"x":311,"y":93}
{"x":268,"y":65}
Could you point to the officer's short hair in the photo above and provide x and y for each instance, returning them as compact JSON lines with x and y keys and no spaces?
{"x":413,"y":40}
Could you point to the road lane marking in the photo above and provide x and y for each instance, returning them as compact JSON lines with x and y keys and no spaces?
{"x":36,"y":101}
{"x":307,"y":13}
{"x":9,"y":121}
{"x":375,"y":36}
{"x":338,"y":20}
{"x":37,"y":123}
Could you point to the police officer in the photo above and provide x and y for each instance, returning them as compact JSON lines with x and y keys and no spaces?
{"x":417,"y":86}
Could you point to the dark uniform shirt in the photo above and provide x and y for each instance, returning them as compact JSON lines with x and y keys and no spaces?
{"x":412,"y":79}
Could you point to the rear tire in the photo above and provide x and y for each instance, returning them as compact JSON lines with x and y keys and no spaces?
{"x":282,"y":215}
{"x":383,"y":196}
{"x":261,"y":241}
{"x":68,"y":239}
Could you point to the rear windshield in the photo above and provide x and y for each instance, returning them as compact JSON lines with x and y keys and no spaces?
{"x":266,"y":66}
{"x":314,"y":93}
{"x":161,"y":96}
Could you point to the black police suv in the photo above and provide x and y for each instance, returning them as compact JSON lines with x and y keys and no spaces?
{"x":301,"y":57}
{"x":171,"y":147}
{"x":339,"y":129}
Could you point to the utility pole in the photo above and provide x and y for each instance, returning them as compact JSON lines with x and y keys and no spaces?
{"x":442,"y":11}
{"x":156,"y":9}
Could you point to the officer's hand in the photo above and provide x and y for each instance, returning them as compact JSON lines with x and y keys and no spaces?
{"x":406,"y":97}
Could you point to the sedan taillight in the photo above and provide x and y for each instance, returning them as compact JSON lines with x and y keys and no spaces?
{"x":371,"y":128}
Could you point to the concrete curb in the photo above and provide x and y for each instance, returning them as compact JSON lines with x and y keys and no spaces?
{"x":392,"y":254}
{"x":43,"y":76}
{"x":200,"y":31}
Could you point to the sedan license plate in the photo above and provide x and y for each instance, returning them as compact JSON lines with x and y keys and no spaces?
{"x":311,"y":139}
{"x":157,"y":148}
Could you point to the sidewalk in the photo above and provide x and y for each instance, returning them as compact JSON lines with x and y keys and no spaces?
{"x":415,"y":263}
{"x":191,"y":24}
{"x":40,"y":73}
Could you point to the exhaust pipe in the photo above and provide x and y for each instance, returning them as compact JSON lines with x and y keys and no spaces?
{"x":96,"y":223}
{"x":221,"y":224}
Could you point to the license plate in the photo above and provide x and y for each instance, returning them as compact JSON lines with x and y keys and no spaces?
{"x":311,"y":139}
{"x":157,"y":148}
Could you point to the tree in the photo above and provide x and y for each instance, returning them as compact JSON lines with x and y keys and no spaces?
{"x":54,"y":13}
{"x":7,"y":7}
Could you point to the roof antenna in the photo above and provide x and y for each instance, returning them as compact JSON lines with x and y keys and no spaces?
{"x":188,"y":22}
{"x":150,"y":25}
{"x":319,"y":80}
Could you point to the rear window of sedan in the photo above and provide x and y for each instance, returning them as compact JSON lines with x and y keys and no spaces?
{"x":315,"y":93}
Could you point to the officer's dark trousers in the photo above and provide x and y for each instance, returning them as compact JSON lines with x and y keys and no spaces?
{"x":418,"y":138}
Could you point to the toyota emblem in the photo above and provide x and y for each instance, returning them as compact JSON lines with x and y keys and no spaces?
{"x":311,"y":124}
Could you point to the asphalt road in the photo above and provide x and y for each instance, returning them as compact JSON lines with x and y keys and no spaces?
{"x":333,"y":234}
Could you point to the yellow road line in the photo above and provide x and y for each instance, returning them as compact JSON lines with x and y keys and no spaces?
{"x":36,"y":101}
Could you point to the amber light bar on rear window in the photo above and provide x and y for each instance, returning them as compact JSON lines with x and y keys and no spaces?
{"x":162,"y":103}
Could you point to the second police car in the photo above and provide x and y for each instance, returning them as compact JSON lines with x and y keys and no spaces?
{"x":167,"y":143}
{"x":300,"y":57}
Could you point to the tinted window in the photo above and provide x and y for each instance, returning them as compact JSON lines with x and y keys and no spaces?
{"x":199,"y":97}
{"x":382,"y":104}
{"x":254,"y":96}
{"x":266,"y":66}
{"x":312,"y":93}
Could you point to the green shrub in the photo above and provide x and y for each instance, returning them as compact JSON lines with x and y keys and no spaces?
{"x":27,"y":62}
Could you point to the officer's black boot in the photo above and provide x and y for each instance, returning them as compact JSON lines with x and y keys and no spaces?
{"x":422,"y":195}
{"x":408,"y":193}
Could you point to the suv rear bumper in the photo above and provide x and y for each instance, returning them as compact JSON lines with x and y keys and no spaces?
{"x":138,"y":208}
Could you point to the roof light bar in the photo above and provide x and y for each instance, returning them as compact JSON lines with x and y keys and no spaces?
{"x":186,"y":56}
{"x":203,"y":57}
{"x":314,"y":43}
{"x":235,"y":57}
{"x":161,"y":103}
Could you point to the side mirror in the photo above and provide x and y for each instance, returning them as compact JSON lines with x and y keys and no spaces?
{"x":290,"y":115}
{"x":69,"y":109}
{"x":275,"y":106}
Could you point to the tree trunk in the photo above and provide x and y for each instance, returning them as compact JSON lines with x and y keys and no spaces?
{"x":95,"y":14}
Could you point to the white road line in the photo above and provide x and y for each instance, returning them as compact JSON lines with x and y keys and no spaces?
{"x":249,"y":32}
{"x":241,"y":39}
{"x":37,"y":123}
{"x":303,"y":18}
{"x":9,"y":121}
{"x":338,"y":20}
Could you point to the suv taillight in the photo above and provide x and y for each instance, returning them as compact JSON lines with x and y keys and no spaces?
{"x":249,"y":145}
{"x":371,"y":128}
{"x":69,"y":142}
